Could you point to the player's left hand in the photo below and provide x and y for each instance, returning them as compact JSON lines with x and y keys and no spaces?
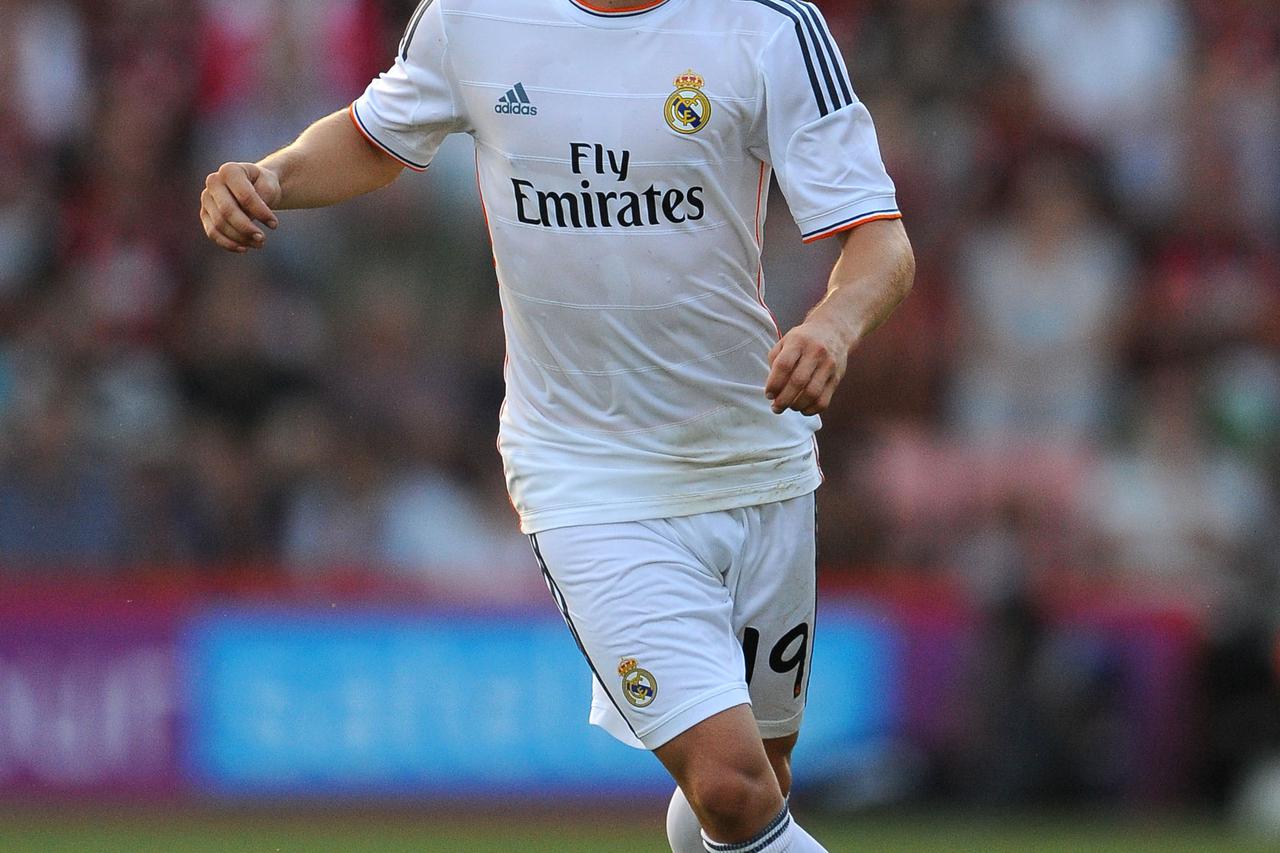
{"x":806,"y":366}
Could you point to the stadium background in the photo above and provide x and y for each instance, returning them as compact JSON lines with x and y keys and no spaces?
{"x":258,"y":573}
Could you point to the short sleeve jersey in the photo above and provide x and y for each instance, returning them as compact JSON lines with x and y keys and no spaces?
{"x":624,"y":161}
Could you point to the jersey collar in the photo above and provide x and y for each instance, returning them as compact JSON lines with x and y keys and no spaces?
{"x":635,"y":9}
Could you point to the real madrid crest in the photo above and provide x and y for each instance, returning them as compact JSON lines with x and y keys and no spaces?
{"x":688,"y":109}
{"x":638,"y":685}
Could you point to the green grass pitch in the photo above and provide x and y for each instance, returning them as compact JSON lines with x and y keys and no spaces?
{"x":346,"y":831}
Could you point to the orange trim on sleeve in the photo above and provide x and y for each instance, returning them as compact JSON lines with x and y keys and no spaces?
{"x":351,"y":114}
{"x":852,"y":225}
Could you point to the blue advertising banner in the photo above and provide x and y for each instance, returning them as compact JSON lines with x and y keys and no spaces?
{"x":292,"y":702}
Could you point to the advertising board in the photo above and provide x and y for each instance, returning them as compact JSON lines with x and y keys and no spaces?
{"x":89,"y":703}
{"x":288,"y":702}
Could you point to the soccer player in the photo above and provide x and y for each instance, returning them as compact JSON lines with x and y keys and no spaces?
{"x":658,"y":432}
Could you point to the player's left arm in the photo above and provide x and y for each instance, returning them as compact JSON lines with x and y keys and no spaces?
{"x":873,"y":275}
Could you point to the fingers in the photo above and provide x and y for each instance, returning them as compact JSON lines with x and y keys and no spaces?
{"x":230,"y":203}
{"x":816,"y":396}
{"x":806,"y":385}
{"x":210,"y":228}
{"x":804,"y":375}
{"x":240,"y":183}
{"x":783,"y":360}
{"x":218,"y":224}
{"x":226,"y":211}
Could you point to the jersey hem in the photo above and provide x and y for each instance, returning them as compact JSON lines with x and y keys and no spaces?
{"x":666,"y":507}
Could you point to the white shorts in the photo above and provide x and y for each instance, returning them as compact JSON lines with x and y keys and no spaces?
{"x":682,"y":618}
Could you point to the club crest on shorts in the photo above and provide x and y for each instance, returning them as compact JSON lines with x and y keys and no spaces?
{"x":638,"y":685}
{"x":688,"y":109}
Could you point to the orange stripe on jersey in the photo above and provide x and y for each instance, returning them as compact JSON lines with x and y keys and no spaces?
{"x":760,"y":247}
{"x":759,"y":200}
{"x":852,"y":225}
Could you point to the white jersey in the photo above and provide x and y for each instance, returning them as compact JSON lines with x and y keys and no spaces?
{"x":624,"y":161}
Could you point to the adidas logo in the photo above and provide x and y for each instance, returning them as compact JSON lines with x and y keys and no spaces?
{"x":515,"y":103}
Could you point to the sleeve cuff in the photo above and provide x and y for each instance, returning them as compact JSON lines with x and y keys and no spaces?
{"x":358,"y":120}
{"x":848,"y":218}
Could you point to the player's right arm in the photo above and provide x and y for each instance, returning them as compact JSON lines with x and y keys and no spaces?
{"x":329,"y":163}
{"x":399,"y":122}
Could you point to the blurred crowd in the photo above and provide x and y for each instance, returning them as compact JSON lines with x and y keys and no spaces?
{"x":1084,"y":386}
{"x":329,"y":403}
{"x":1087,"y":377}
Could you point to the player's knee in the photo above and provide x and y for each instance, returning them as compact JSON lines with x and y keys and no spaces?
{"x":732,"y":802}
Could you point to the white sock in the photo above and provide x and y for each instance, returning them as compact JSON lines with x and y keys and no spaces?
{"x":804,"y":842}
{"x":782,"y":835}
{"x":683,"y":831}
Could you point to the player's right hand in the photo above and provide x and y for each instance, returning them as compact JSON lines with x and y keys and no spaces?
{"x":235,"y":199}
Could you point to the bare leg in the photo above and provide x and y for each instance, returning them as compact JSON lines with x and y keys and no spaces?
{"x":779,"y":752}
{"x":683,"y":830}
{"x":725,"y":772}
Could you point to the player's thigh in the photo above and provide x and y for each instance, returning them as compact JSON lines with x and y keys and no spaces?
{"x":724,"y":772}
{"x":727,"y":742}
{"x":774,"y":612}
{"x":654,"y":622}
